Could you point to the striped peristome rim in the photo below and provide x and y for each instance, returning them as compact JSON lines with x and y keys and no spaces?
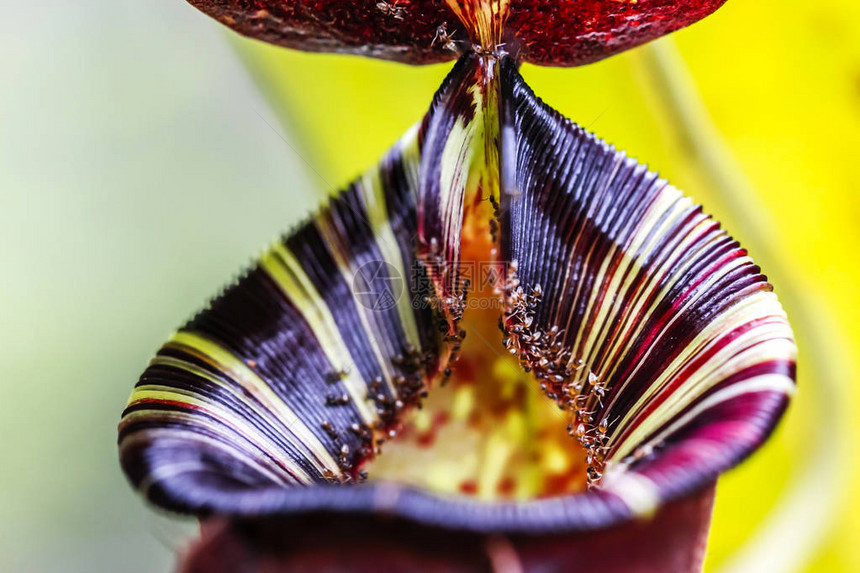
{"x":665,"y":341}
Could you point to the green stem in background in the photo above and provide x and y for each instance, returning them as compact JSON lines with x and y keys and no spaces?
{"x":788,"y":538}
{"x":311,"y":153}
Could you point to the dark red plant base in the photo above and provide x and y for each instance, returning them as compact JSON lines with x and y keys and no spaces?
{"x":672,"y":542}
{"x":555,"y":33}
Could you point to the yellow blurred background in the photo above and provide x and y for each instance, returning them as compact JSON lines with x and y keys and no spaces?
{"x":141,"y":168}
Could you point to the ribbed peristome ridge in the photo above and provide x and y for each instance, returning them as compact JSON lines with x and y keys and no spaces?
{"x":296,"y":373}
{"x":648,"y":323}
{"x":651,"y":329}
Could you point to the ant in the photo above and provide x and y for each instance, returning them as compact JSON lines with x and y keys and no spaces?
{"x":603,"y":426}
{"x":593,"y":476}
{"x":335,"y":400}
{"x":491,"y":53}
{"x":444,"y":38}
{"x":336,"y":376}
{"x":393,"y":10}
{"x":329,"y":429}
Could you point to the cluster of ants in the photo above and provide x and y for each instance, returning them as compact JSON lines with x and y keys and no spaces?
{"x":562,"y":379}
{"x":576,"y":389}
{"x":449,"y":308}
{"x":443,"y":278}
{"x":409,"y":385}
{"x":409,"y":390}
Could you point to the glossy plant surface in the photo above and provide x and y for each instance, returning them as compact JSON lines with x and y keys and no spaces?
{"x":556,"y":33}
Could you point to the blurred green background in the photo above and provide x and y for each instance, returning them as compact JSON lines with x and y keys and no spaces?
{"x":140,"y":168}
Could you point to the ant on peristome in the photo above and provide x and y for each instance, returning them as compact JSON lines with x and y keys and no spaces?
{"x":491,"y":53}
{"x":444,"y":38}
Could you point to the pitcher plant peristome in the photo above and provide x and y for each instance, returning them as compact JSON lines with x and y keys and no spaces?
{"x":662,"y":353}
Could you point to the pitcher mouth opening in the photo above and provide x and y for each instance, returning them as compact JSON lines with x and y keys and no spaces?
{"x":487,"y":428}
{"x":623,"y":353}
